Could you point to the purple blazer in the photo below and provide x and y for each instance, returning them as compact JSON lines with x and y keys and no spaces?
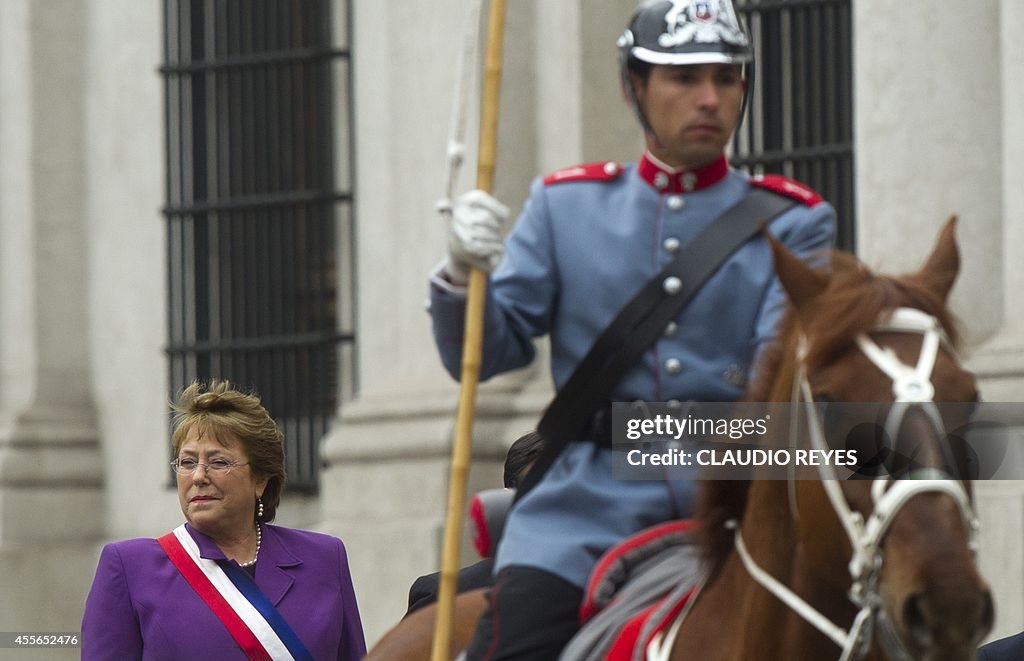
{"x":140,"y":606}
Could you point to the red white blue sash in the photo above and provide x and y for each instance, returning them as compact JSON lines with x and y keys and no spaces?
{"x":247,"y":614}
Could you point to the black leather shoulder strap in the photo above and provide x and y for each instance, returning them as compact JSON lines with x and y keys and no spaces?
{"x":643,"y":320}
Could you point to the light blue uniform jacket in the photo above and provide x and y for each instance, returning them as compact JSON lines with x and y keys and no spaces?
{"x":579,"y":251}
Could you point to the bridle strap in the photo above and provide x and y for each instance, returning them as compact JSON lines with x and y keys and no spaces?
{"x":851,"y":521}
{"x":912,"y":387}
{"x":853,"y":643}
{"x":911,"y":320}
{"x":787,"y":596}
{"x":889,"y":503}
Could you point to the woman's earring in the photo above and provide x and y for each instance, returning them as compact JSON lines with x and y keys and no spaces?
{"x":259,"y":510}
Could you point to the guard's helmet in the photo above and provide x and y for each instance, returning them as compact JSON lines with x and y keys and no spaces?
{"x":682,"y":32}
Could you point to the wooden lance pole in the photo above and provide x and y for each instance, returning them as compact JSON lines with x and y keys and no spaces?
{"x":472,"y":346}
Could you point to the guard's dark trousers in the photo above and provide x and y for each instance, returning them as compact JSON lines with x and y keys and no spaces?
{"x":531,"y":615}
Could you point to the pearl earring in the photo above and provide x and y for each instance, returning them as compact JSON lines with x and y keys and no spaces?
{"x":259,"y":511}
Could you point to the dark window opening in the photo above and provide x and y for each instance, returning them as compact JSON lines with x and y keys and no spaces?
{"x":800,"y":119}
{"x":259,"y":208}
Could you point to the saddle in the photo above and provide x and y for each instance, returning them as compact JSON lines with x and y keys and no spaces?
{"x":488,"y":511}
{"x":636,"y":591}
{"x":644,"y":582}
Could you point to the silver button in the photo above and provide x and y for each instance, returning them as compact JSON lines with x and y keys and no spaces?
{"x":673,"y":366}
{"x":661,"y":180}
{"x":671,"y":244}
{"x":611,"y":167}
{"x":689,"y":181}
{"x":672,"y":285}
{"x":671,"y":329}
{"x":675,"y":202}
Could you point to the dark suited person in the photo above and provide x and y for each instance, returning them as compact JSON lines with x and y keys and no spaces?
{"x":488,"y":511}
{"x":1004,"y":649}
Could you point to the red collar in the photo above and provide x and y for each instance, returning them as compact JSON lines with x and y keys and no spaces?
{"x":668,"y":180}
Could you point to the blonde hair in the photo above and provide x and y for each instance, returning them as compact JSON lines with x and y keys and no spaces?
{"x":216,"y":408}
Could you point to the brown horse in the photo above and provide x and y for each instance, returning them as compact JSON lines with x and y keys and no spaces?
{"x":828,"y":569}
{"x":914,"y":583}
{"x":411,"y":639}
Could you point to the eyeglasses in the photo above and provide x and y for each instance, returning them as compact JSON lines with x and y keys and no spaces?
{"x":188,"y":466}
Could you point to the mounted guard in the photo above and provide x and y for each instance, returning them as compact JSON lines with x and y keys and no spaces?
{"x":653,"y":283}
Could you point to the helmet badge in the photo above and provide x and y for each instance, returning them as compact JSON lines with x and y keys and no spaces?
{"x":701,"y":21}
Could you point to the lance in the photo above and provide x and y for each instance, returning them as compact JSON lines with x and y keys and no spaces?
{"x":475,"y":297}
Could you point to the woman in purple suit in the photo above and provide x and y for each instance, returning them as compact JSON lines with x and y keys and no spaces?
{"x":225,"y":584}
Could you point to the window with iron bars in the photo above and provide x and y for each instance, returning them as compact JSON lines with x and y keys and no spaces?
{"x":259,"y":208}
{"x":800,"y":119}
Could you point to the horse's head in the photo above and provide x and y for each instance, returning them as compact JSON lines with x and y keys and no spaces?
{"x":856,"y":337}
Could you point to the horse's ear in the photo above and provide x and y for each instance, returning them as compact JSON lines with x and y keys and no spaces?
{"x":940,"y":270}
{"x":801,"y":282}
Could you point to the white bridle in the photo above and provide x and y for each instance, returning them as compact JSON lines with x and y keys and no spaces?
{"x":912,"y":388}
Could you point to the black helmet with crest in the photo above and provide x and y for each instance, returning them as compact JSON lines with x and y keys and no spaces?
{"x":682,"y":32}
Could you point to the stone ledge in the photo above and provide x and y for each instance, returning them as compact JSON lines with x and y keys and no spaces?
{"x":1001,"y":355}
{"x":51,"y":448}
{"x":403,"y":426}
{"x":24,"y":466}
{"x":44,"y":514}
{"x":999,"y":365}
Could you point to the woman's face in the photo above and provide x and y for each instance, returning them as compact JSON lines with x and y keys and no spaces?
{"x":216,"y":502}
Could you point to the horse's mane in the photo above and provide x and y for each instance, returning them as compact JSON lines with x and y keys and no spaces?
{"x":852,"y":303}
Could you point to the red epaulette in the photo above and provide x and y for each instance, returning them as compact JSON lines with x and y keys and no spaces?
{"x":788,"y":187}
{"x":603,"y":171}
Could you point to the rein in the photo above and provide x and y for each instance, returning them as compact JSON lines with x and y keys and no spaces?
{"x":912,"y":389}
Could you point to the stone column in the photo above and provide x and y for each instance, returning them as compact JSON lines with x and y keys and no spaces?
{"x":999,"y":359}
{"x":926,"y":146}
{"x":939,"y":131}
{"x":50,"y":470}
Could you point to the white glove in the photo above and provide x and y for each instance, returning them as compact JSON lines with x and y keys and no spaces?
{"x":475,"y":234}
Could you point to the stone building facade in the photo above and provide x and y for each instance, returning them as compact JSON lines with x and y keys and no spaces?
{"x":83,"y":292}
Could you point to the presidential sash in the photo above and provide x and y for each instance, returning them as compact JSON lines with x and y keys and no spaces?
{"x":247,"y":613}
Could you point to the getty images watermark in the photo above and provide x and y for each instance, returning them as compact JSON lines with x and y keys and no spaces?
{"x":743,"y":440}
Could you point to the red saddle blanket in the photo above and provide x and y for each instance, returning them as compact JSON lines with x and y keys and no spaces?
{"x":635,"y":591}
